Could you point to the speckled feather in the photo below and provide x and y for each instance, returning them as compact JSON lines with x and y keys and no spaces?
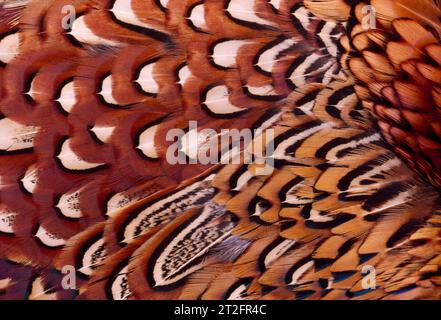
{"x":84,"y":179}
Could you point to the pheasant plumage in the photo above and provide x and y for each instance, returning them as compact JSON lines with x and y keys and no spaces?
{"x":91,"y":89}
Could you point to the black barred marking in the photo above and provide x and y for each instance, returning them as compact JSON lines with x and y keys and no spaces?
{"x":356,"y":294}
{"x":342,"y":275}
{"x":328,"y":36}
{"x":298,"y":10}
{"x":304,"y":262}
{"x":404,"y":232}
{"x":297,"y":62}
{"x":286,"y":224}
{"x":162,"y":210}
{"x":304,"y":294}
{"x":305,"y":105}
{"x":384,"y":195}
{"x":287,"y":143}
{"x":289,"y":187}
{"x":369,"y":166}
{"x":306,"y":211}
{"x":357,"y":115}
{"x":324,"y":38}
{"x":373,"y":138}
{"x":346,"y":247}
{"x":344,"y":146}
{"x":333,"y":111}
{"x":178,"y":255}
{"x":276,"y":47}
{"x":367,"y":182}
{"x":238,"y":290}
{"x":234,"y":179}
{"x":258,"y":205}
{"x":317,"y":64}
{"x":320,"y":264}
{"x":274,"y":250}
{"x":363,"y":258}
{"x":320,"y":26}
{"x":405,"y":289}
{"x":327,"y":147}
{"x":310,"y":68}
{"x":307,"y":98}
{"x":267,"y":119}
{"x":337,"y":220}
{"x":340,"y":94}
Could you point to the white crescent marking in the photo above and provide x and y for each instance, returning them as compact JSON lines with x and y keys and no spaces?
{"x":123,"y":11}
{"x":48,"y":238}
{"x":147,"y":142}
{"x":225,"y":53}
{"x":71,"y":161}
{"x":83,"y":33}
{"x":9,"y":47}
{"x":88,"y":265}
{"x":69,"y":205}
{"x":300,"y":272}
{"x":16,"y":136}
{"x":244,"y":10}
{"x":146,"y":79}
{"x":197,"y":17}
{"x":67,"y":97}
{"x":184,"y":74}
{"x":107,"y":90}
{"x":268,"y":59}
{"x":217,"y":101}
{"x":103,"y":133}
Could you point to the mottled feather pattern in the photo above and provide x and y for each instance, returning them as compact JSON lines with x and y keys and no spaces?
{"x":351,"y":104}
